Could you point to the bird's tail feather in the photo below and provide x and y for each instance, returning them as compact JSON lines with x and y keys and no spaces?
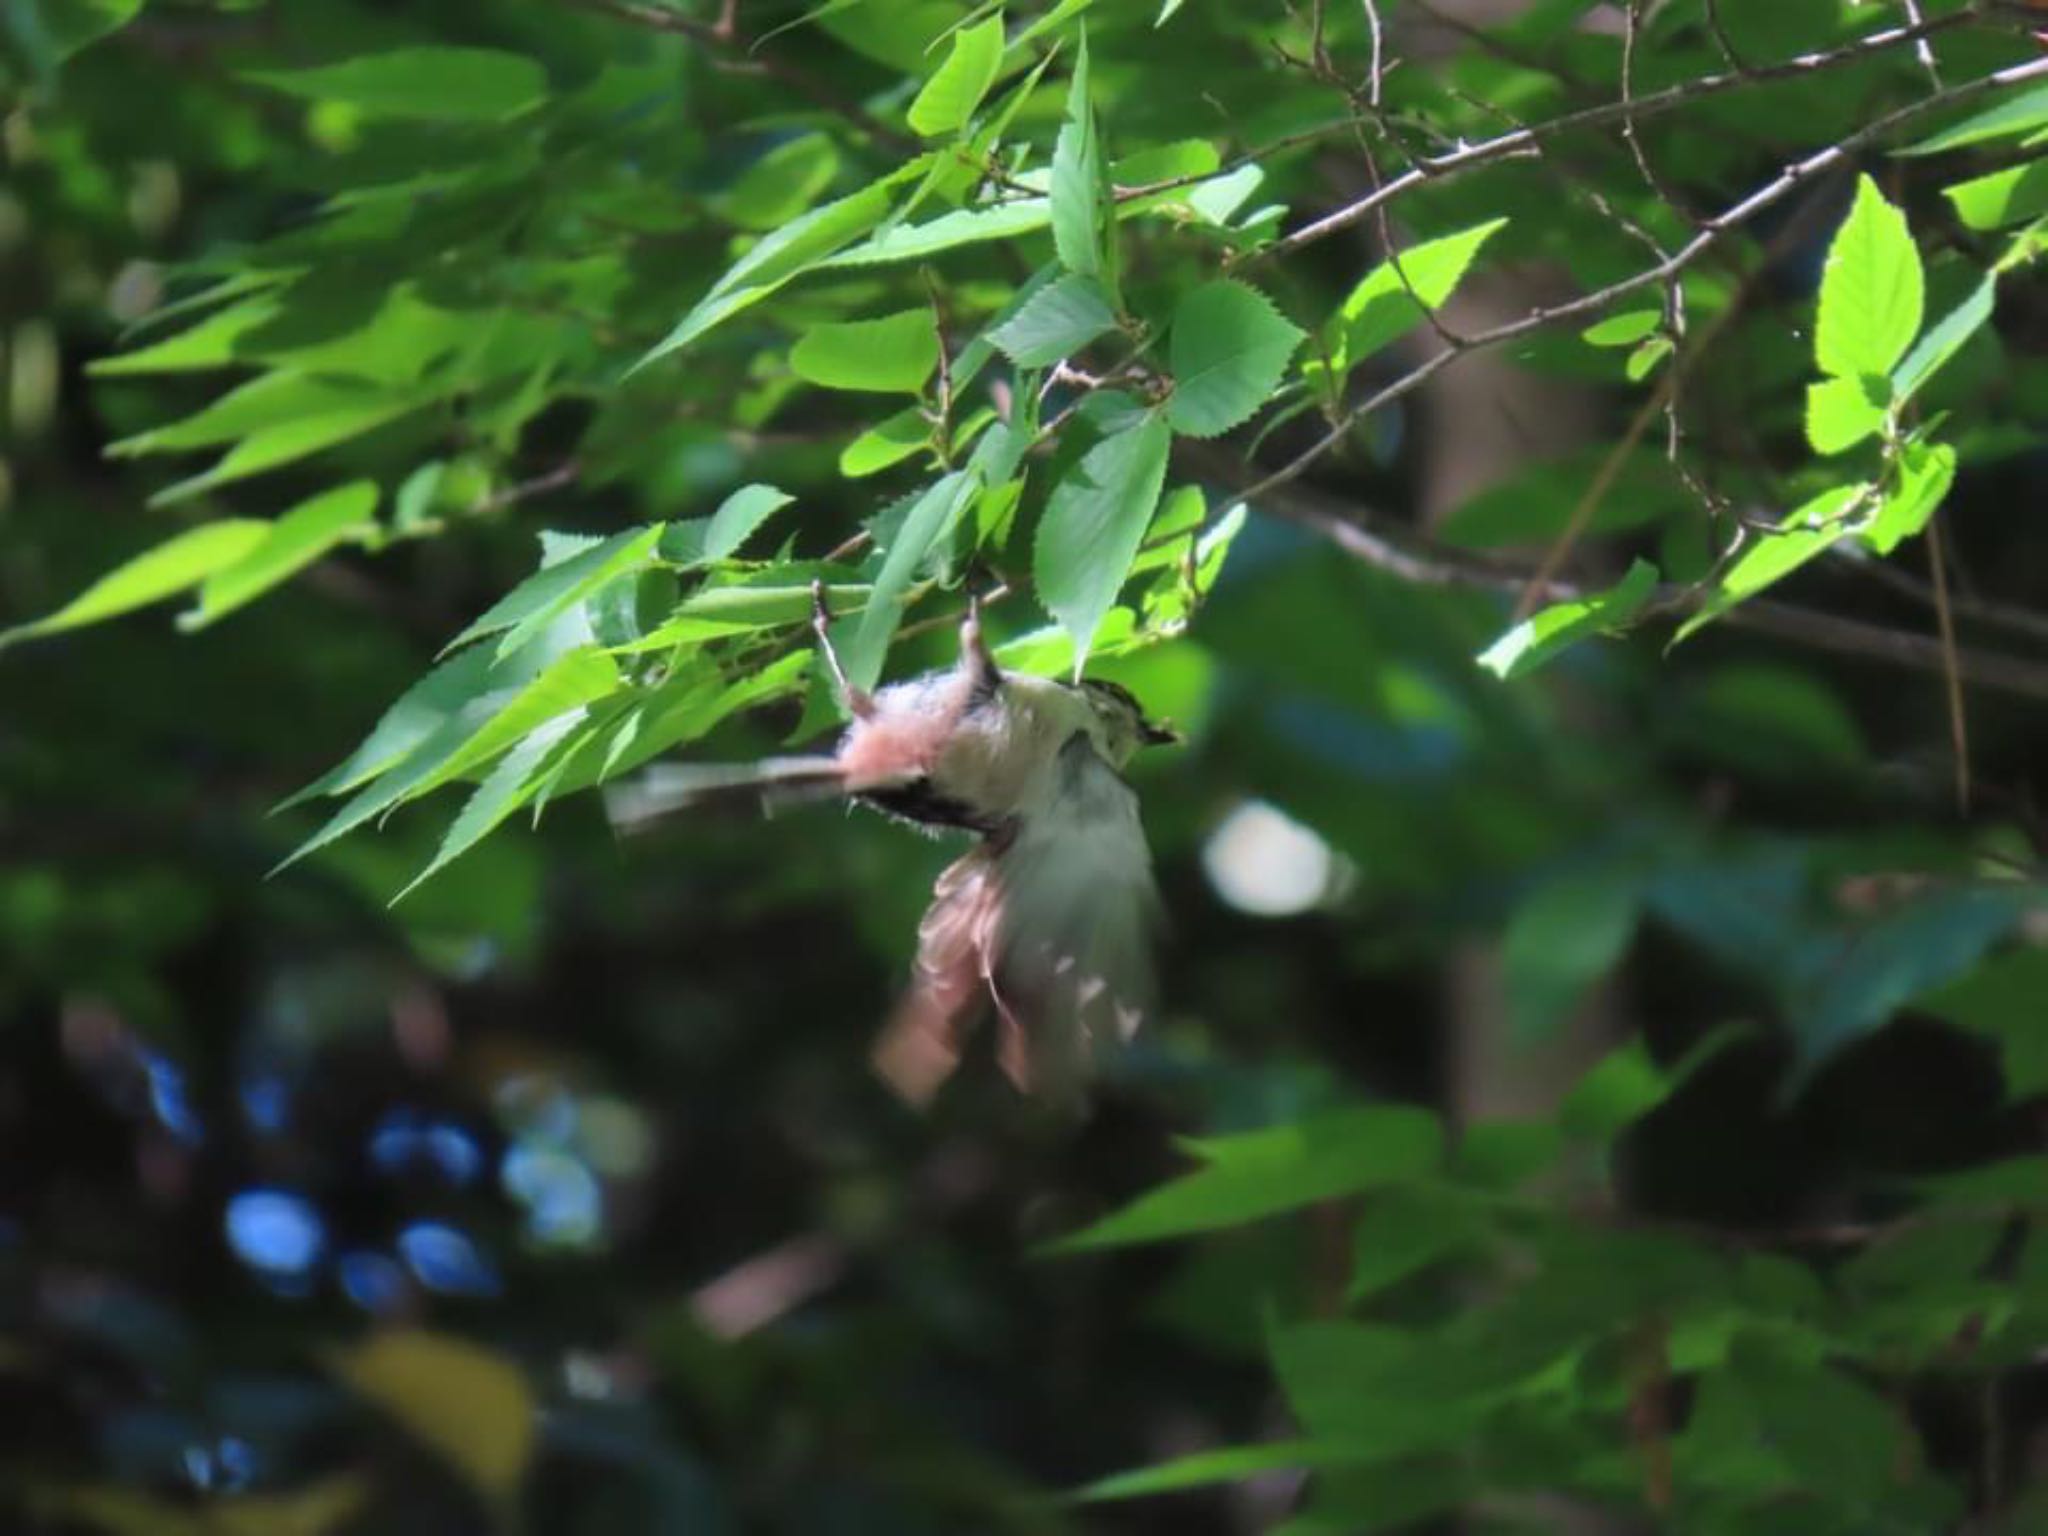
{"x":769,"y":784}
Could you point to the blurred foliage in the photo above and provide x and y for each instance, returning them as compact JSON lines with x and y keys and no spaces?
{"x":489,"y":382}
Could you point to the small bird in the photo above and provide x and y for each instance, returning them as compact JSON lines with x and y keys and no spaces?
{"x":1048,"y":919}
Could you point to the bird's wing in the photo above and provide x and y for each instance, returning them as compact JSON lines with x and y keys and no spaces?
{"x":669,"y":787}
{"x":1051,"y":922}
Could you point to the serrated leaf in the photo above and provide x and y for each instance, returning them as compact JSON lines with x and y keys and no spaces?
{"x":1543,"y":636}
{"x":1094,"y":521}
{"x":484,"y":85}
{"x":179,"y":562}
{"x":1078,"y":200}
{"x":1808,"y":530}
{"x":739,"y":517}
{"x":1056,"y":322}
{"x":1872,"y":290}
{"x":2026,"y":112}
{"x":931,"y":519}
{"x":1926,"y":471}
{"x":1263,"y":1173}
{"x":894,"y":354}
{"x":1944,"y":339}
{"x":955,"y":89}
{"x":515,"y":780}
{"x":294,"y":541}
{"x":1228,"y":352}
{"x":532,"y":604}
{"x":1840,"y":413}
{"x":572,"y":680}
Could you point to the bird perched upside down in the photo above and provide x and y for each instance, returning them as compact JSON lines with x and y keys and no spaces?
{"x":1047,"y":920}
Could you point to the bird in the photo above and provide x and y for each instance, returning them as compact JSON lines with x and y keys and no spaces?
{"x":1047,"y":921}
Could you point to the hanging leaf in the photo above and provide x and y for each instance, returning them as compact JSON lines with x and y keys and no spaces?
{"x":165,"y":571}
{"x":294,"y":541}
{"x":931,"y":519}
{"x":1840,"y":413}
{"x":1872,"y":290}
{"x":739,"y":517}
{"x":1094,"y":521}
{"x":529,"y":606}
{"x":1228,"y":352}
{"x":1925,"y":472}
{"x":1806,"y":532}
{"x":1079,"y":201}
{"x":955,"y":89}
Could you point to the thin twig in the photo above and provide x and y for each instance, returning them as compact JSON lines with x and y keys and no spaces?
{"x":1519,"y":142}
{"x":1709,"y":232}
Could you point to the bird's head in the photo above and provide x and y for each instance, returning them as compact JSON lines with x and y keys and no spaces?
{"x":1124,"y":726}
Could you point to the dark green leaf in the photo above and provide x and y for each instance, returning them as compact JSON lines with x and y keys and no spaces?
{"x":1057,"y":321}
{"x":1079,"y":206}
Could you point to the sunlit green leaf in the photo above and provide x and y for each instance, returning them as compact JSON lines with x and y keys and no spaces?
{"x":2025,"y":111}
{"x":1925,"y":473}
{"x":1807,"y":531}
{"x":1544,"y":635}
{"x":1871,"y":290}
{"x":180,"y":562}
{"x":535,"y":601}
{"x":1840,"y":413}
{"x":294,"y":541}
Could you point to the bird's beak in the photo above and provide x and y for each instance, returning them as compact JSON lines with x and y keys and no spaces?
{"x":1161,"y":735}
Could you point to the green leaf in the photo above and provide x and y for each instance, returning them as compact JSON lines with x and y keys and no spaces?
{"x":1228,"y":352}
{"x":294,"y":541}
{"x":208,"y":344}
{"x":1839,"y":1437}
{"x":482,"y":85}
{"x":1079,"y":202}
{"x":1543,"y":636}
{"x":532,"y":604}
{"x":1623,"y":330}
{"x":2010,"y":196}
{"x":779,"y":186}
{"x":955,"y":89}
{"x":776,"y":258}
{"x":1840,"y":413}
{"x":739,"y":517}
{"x":1390,"y":301}
{"x":1094,"y":521}
{"x":179,"y":562}
{"x":1872,"y":290}
{"x":931,"y":519}
{"x":1644,"y":360}
{"x":1808,"y":530}
{"x":515,"y":780}
{"x":290,"y":441}
{"x":2001,"y":1000}
{"x":1055,"y":323}
{"x":1404,"y":1230}
{"x":1944,"y":339}
{"x":1568,"y":935}
{"x":1226,"y":1464}
{"x":1628,"y":1083}
{"x":1263,"y":1173}
{"x":887,"y":442}
{"x":572,"y":680}
{"x":964,"y":226}
{"x":892,"y":355}
{"x":2026,"y":112}
{"x":1925,"y":473}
